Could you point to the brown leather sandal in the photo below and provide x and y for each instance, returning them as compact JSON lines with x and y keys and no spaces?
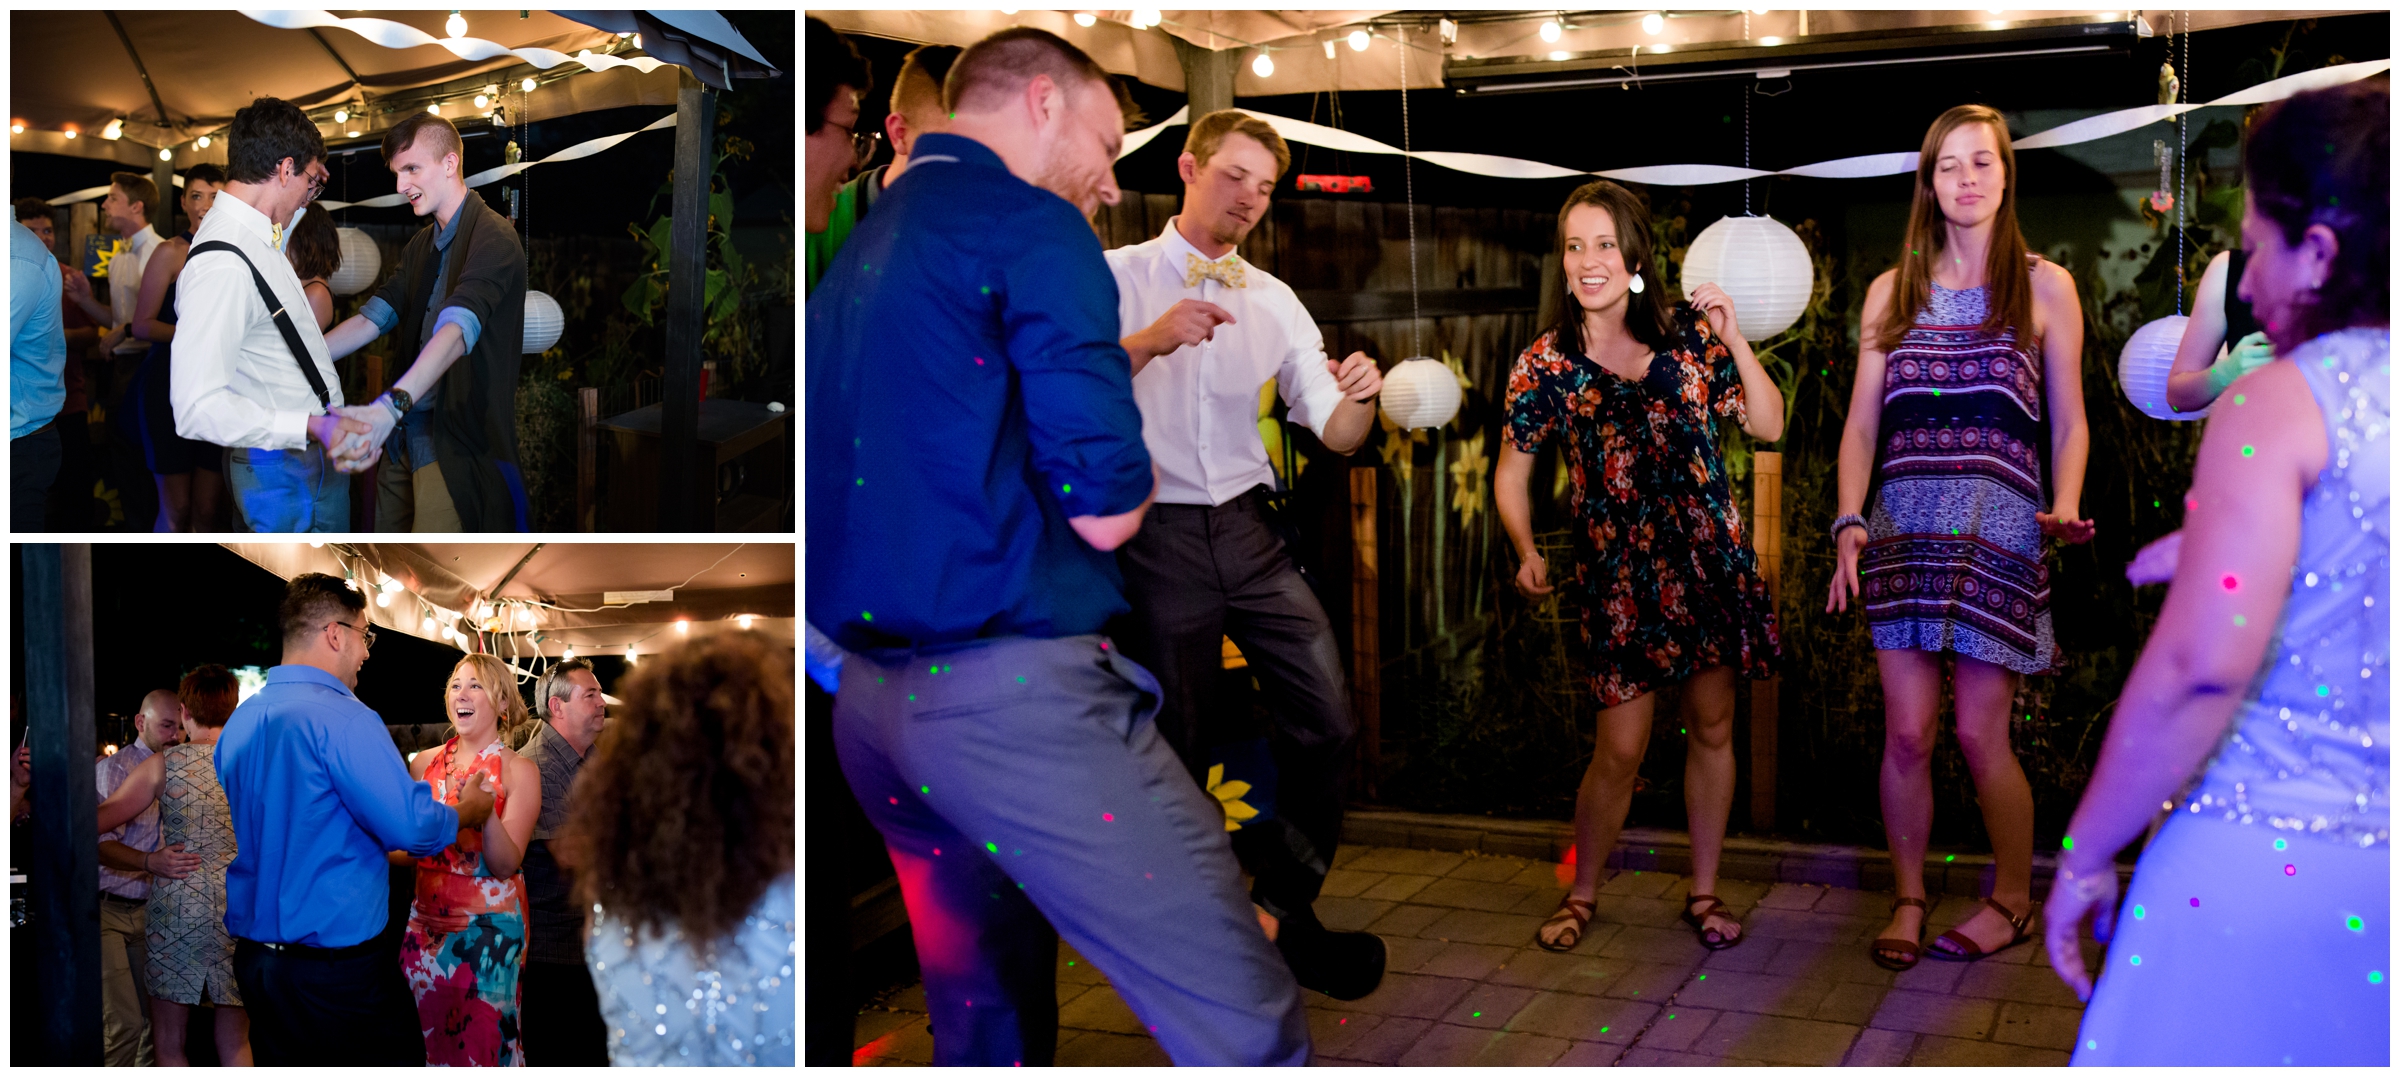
{"x":1970,"y":950}
{"x":1575,"y":913}
{"x":1914,"y":948}
{"x":1699,"y":921}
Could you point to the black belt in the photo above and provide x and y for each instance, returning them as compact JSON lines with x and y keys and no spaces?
{"x":122,"y":899}
{"x":313,"y":953}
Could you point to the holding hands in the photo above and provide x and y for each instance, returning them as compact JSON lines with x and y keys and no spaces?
{"x":380,"y":418}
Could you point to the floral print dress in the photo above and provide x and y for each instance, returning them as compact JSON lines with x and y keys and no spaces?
{"x":465,"y":946}
{"x":1665,"y":576}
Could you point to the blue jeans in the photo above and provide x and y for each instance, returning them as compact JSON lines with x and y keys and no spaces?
{"x":289,"y":490}
{"x":1022,"y":787}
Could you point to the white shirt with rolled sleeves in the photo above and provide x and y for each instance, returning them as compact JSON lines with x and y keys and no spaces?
{"x":235,"y":382}
{"x":125,"y":284}
{"x":1200,"y":402}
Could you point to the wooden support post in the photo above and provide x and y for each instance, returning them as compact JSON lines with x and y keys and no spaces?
{"x":64,"y":905}
{"x":1766,"y":535}
{"x":587,"y":457}
{"x":362,"y":485}
{"x":1366,"y":634}
{"x":162,"y":215}
{"x":684,"y":505}
{"x":1207,"y":76}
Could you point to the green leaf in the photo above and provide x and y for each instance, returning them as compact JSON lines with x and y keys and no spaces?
{"x":720,"y":206}
{"x":661,"y":236}
{"x":642,"y":298}
{"x":716,"y":288}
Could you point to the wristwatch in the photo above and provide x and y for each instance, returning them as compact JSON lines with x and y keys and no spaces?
{"x":400,"y":401}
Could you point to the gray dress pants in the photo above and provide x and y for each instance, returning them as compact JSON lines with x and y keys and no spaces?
{"x":1019,"y":785}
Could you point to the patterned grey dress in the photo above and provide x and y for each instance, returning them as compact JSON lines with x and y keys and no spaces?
{"x":673,"y":1001}
{"x":191,"y":957}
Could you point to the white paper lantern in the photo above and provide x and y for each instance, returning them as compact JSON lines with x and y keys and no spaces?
{"x":1763,"y":267}
{"x":361,"y":262}
{"x":1421,"y":393}
{"x":2142,"y":367}
{"x":543,"y":322}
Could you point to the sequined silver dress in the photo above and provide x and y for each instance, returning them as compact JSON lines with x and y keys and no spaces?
{"x":2256,"y":931}
{"x":673,"y":1001}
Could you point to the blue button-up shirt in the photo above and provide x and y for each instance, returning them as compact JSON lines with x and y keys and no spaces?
{"x":37,"y":337}
{"x":966,"y":397}
{"x":319,"y":793}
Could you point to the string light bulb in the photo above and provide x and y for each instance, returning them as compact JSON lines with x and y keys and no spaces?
{"x":683,"y":626}
{"x":341,"y":115}
{"x":570,"y":652}
{"x":745,"y":619}
{"x":630,"y":656}
{"x":390,"y":584}
{"x":429,"y":623}
{"x":114,"y":131}
{"x":1654,"y":24}
{"x":1263,"y":67}
{"x":202,"y":142}
{"x":528,"y":84}
{"x":69,"y":132}
{"x":350,"y":134}
{"x":1358,"y":40}
{"x":435,"y":108}
{"x":525,"y":616}
{"x":1085,"y":19}
{"x":383,"y":599}
{"x":165,"y":154}
{"x":1550,"y":29}
{"x":1145,"y":18}
{"x":456,"y":24}
{"x":482,"y":102}
{"x":16,"y":128}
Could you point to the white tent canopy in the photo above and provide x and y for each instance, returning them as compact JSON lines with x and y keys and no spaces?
{"x":520,"y":599}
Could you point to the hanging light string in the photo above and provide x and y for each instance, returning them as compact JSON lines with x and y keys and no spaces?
{"x":2183,"y":145}
{"x":1408,"y":174}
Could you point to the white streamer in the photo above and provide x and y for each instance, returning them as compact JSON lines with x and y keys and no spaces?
{"x":1873,"y":164}
{"x":395,"y":35}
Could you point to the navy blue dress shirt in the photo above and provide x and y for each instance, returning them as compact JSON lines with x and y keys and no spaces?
{"x":319,"y":793}
{"x":966,"y":397}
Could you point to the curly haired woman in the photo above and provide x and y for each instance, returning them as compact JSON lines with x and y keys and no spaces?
{"x":681,"y":839}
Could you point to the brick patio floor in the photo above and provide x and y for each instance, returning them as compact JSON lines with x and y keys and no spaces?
{"x":1466,"y":986}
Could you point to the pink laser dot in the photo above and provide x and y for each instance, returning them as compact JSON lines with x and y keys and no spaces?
{"x":2232,"y":583}
{"x":2190,"y":503}
{"x":2290,"y":870}
{"x":894,"y":800}
{"x":978,"y":360}
{"x":937,"y":852}
{"x":1145,"y":875}
{"x":2195,"y":903}
{"x":1108,"y":817}
{"x":1103,"y":645}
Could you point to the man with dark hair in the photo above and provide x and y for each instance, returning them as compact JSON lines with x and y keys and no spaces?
{"x":459,"y":294}
{"x":916,"y":109}
{"x":254,"y":377}
{"x":319,"y":795}
{"x":837,"y":78}
{"x":561,"y":1006}
{"x":1212,"y":565}
{"x":1018,"y":474}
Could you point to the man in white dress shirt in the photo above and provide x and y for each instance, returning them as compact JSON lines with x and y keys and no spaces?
{"x":237,"y":381}
{"x":127,"y":210}
{"x":1205,"y":331}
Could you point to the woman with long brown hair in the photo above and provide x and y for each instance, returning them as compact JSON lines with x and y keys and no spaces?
{"x":1966,"y":429}
{"x":1632,"y":387}
{"x":680,"y":836}
{"x":464,"y":953}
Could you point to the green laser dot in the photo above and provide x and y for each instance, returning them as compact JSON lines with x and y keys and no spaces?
{"x":2091,"y":1045}
{"x":2281,"y":845}
{"x":1066,"y":487}
{"x":2139,"y":912}
{"x":2355,"y":924}
{"x":862,"y":482}
{"x":2239,"y":620}
{"x":991,"y":847}
{"x":987,"y":289}
{"x":912,"y":698}
{"x":925,"y":789}
{"x":2136,"y":959}
{"x":866,"y":615}
{"x":2249,"y":450}
{"x":1950,"y":858}
{"x":933,"y":669}
{"x":1704,"y":976}
{"x":1020,"y":680}
{"x":1604,"y":1028}
{"x":1477,"y":1013}
{"x":1070,"y":964}
{"x":1670,"y":1017}
{"x":2372,"y":977}
{"x":2068,"y":843}
{"x":2322,"y":691}
{"x":2239,"y":399}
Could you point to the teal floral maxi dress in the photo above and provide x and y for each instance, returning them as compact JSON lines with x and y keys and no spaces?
{"x":1664,"y":574}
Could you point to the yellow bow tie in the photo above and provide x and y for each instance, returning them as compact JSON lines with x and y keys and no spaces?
{"x":1227,"y":272}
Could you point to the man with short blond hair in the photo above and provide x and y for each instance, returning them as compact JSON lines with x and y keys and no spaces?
{"x":1200,"y":322}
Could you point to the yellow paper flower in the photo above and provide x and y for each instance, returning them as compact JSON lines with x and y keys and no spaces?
{"x":1229,"y":797}
{"x":107,"y":254}
{"x":1467,"y":476}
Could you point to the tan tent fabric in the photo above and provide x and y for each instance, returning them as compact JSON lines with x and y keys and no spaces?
{"x":70,"y":67}
{"x":1296,"y":39}
{"x":757,"y":579}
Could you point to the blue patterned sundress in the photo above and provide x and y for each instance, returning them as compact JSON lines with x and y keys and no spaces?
{"x":1953,"y":560}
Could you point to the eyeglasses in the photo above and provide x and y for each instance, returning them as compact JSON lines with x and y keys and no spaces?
{"x":862,"y":147}
{"x":365,"y":635}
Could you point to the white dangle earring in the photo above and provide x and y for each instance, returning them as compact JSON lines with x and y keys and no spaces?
{"x":1636,"y":285}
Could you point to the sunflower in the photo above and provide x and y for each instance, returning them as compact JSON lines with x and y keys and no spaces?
{"x":1467,"y":475}
{"x":1229,"y":797}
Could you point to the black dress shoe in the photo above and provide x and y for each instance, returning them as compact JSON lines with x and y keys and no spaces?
{"x":1346,"y":965}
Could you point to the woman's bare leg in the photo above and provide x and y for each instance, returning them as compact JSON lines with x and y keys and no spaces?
{"x":1983,"y":693}
{"x":208,"y":504}
{"x":1607,"y":790}
{"x":1708,"y":781}
{"x":1912,"y":700}
{"x":233,"y":1036}
{"x":174,"y":503}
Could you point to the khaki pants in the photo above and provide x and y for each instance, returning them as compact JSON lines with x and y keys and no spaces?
{"x":124,"y":1001}
{"x":413,"y":500}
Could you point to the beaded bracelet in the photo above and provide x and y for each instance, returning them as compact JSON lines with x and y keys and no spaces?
{"x":1846,"y":521}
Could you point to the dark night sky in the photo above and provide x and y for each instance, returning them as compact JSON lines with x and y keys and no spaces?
{"x":161,"y":608}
